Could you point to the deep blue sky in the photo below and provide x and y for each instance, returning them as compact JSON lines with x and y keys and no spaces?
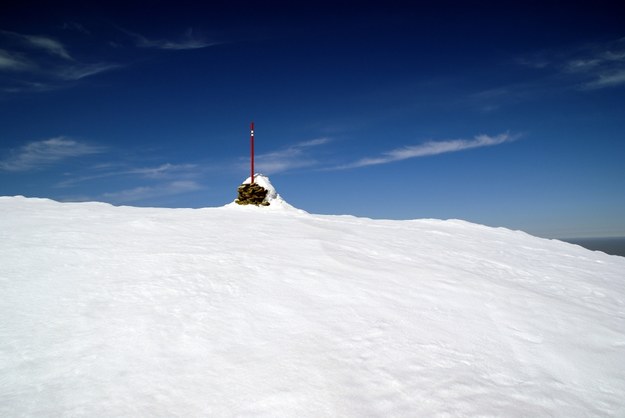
{"x":507,"y":115}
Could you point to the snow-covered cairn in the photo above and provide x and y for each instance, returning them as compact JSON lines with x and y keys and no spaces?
{"x":252,"y":194}
{"x":261,"y":193}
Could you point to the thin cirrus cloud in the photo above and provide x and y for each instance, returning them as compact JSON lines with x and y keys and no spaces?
{"x":42,"y":63}
{"x":44,"y":43}
{"x":188,"y":41}
{"x":78,"y":72}
{"x":580,"y":68}
{"x":42,"y":154}
{"x":150,"y":192}
{"x":604,"y":80}
{"x":431,"y":148}
{"x":602,"y":65}
{"x":295,"y":156}
{"x":590,"y":66}
{"x":12,"y":62}
{"x":49,"y":45}
{"x":163,"y":171}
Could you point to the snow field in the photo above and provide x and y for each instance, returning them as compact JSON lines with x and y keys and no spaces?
{"x":247,"y":311}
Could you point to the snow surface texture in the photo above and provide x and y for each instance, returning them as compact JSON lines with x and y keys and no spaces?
{"x":255,"y":311}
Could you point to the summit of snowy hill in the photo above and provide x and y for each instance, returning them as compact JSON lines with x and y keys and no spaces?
{"x":224,"y":312}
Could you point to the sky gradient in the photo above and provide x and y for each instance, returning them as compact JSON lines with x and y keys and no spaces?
{"x":507,"y":115}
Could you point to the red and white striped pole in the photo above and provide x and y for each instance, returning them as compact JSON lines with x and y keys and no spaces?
{"x":252,"y":151}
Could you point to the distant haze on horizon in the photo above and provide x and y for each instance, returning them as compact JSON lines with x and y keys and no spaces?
{"x":507,"y":115}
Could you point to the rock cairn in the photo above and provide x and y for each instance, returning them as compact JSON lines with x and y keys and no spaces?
{"x":252,"y":194}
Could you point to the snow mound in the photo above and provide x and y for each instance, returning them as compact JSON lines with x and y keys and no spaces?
{"x":146,"y":312}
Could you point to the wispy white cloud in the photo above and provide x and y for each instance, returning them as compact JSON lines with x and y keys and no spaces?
{"x":536,"y":61}
{"x":188,"y":41}
{"x":41,"y":63}
{"x":46,"y":77}
{"x":45,"y":43}
{"x":581,"y":65}
{"x":40,"y":154}
{"x":611,"y":79}
{"x":163,"y":171}
{"x":597,"y":58}
{"x":313,"y":142}
{"x":591,"y":66}
{"x":431,"y":148}
{"x":20,"y":86}
{"x":603,"y":66}
{"x":493,"y":99}
{"x":587,"y":67}
{"x":75,"y":27}
{"x":80,"y":71}
{"x":295,"y":156}
{"x":11,"y":62}
{"x":49,"y":45}
{"x":149,"y":192}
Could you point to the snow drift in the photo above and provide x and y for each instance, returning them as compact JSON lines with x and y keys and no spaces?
{"x":271,"y":311}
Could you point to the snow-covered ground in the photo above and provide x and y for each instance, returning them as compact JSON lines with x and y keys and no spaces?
{"x":273,"y":312}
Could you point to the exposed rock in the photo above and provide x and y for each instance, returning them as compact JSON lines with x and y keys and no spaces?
{"x":252,"y":194}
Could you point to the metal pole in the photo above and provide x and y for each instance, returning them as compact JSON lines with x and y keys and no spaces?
{"x":252,"y":151}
